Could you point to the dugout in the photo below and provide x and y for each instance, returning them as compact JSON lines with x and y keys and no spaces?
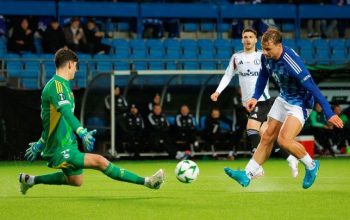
{"x":191,"y":87}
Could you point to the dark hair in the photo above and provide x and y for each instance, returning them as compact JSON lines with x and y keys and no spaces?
{"x":250,"y":30}
{"x":63,"y":55}
{"x":273,"y":35}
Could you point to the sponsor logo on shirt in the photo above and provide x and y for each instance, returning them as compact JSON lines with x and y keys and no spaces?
{"x":249,"y":73}
{"x":63,"y":102}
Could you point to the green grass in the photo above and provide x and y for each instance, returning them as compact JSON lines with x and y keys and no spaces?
{"x":213,"y":196}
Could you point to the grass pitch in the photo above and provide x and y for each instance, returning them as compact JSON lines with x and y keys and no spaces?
{"x":213,"y":196}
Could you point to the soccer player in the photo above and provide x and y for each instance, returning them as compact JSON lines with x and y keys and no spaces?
{"x":58,"y":144}
{"x":247,"y":65}
{"x":289,"y":111}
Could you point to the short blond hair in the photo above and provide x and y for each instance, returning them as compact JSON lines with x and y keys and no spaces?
{"x":273,"y":35}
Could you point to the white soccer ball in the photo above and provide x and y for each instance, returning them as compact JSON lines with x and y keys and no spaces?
{"x":186,"y":171}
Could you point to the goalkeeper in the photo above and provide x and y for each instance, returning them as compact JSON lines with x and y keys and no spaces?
{"x":58,"y":144}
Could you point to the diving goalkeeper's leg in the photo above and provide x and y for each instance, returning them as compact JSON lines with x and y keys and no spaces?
{"x":98,"y":162}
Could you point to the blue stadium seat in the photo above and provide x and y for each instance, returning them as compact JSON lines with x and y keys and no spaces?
{"x":14,"y":68}
{"x":222,"y":43}
{"x":291,"y":43}
{"x":120,"y":46}
{"x":225,"y":27}
{"x":206,"y":61}
{"x":338,"y":51}
{"x":121,"y":64}
{"x":137,"y":44}
{"x":101,"y":63}
{"x":306,"y":51}
{"x":190,"y":27}
{"x":207,"y":27}
{"x":320,"y":44}
{"x":201,"y":124}
{"x":224,"y":126}
{"x":205,"y":45}
{"x":307,"y":56}
{"x":156,"y":60}
{"x":338,"y":56}
{"x":237,"y":44}
{"x":49,"y":70}
{"x":304,"y":44}
{"x":29,"y":83}
{"x":47,"y":56}
{"x":96,"y":122}
{"x":288,"y":27}
{"x":123,"y":26}
{"x":322,"y":57}
{"x":189,"y":47}
{"x":171,"y":119}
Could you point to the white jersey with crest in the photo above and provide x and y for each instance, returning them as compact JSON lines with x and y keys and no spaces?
{"x":247,"y":66}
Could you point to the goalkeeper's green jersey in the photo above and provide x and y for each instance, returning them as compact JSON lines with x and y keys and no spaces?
{"x":57,"y":133}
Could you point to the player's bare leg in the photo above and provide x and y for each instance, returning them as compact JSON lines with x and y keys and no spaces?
{"x":290,"y":129}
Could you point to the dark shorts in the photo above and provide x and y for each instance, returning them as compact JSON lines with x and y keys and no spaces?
{"x":261,"y":110}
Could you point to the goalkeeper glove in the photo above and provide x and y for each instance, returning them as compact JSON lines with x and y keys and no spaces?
{"x":87,"y":138}
{"x":34,"y":149}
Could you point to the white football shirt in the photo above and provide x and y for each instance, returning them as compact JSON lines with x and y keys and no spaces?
{"x":247,"y":66}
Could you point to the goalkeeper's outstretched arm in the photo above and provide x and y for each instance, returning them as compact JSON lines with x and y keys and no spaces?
{"x":86,"y":137}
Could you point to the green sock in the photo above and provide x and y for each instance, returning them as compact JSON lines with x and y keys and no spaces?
{"x":121,"y":174}
{"x":51,"y":179}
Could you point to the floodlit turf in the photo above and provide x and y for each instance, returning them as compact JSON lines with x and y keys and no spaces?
{"x":213,"y":196}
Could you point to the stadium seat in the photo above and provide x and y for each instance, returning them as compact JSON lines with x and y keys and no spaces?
{"x":237,"y":44}
{"x":190,"y":27}
{"x":207,"y":27}
{"x":29,"y":83}
{"x":123,"y":26}
{"x":206,"y":61}
{"x":171,"y":119}
{"x":120,"y":46}
{"x":304,"y":44}
{"x":14,"y":68}
{"x":205,"y":45}
{"x":291,"y":44}
{"x":156,"y":60}
{"x":98,"y":123}
{"x":103,"y":63}
{"x":288,"y":27}
{"x":322,"y":57}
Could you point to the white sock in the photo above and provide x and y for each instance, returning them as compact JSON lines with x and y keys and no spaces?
{"x":251,"y":168}
{"x":146,"y":181}
{"x":291,"y":159}
{"x":308,"y":162}
{"x":30,"y":180}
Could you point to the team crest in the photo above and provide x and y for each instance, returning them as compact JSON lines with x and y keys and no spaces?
{"x":257,"y":62}
{"x":61,"y":96}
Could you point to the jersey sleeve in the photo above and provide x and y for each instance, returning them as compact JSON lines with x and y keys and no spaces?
{"x":229,"y":73}
{"x":297,"y":69}
{"x":262,"y":80}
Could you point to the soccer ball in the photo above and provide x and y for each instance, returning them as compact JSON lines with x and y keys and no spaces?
{"x":186,"y":171}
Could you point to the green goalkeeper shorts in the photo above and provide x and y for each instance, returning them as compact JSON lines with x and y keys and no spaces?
{"x":70,"y":160}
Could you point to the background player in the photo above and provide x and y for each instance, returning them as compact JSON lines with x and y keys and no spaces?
{"x":247,"y":65}
{"x":58,"y":144}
